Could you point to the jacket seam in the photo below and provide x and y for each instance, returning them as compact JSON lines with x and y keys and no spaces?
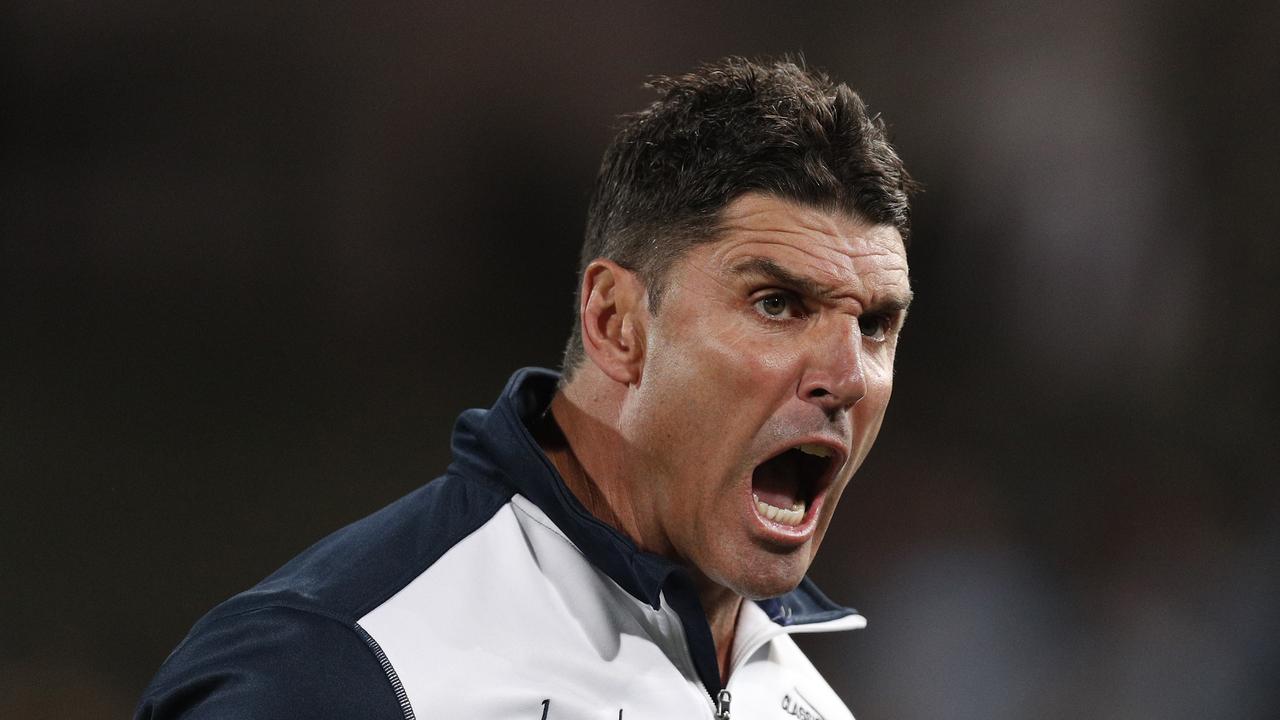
{"x":502,"y":496}
{"x":549,"y":527}
{"x":389,"y":670}
{"x":314,"y":612}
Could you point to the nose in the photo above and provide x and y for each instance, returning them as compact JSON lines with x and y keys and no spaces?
{"x":833,"y":377}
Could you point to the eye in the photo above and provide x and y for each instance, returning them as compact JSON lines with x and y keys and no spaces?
{"x":778,"y":305}
{"x":874,"y":326}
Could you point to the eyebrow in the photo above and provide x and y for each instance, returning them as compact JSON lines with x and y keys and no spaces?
{"x":769,"y":269}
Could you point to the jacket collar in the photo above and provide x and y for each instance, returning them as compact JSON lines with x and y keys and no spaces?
{"x":497,"y":442}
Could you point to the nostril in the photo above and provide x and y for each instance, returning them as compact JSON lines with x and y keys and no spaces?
{"x":830,"y":402}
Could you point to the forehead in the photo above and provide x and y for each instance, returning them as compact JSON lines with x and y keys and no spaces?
{"x":841,"y":251}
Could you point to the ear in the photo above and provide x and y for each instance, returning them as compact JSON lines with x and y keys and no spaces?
{"x":614,"y":314}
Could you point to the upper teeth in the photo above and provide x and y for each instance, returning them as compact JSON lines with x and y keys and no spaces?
{"x":820,"y":450}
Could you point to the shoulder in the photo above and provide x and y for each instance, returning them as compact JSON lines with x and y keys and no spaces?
{"x":272,"y":662}
{"x":360,"y":566}
{"x":292,"y":645}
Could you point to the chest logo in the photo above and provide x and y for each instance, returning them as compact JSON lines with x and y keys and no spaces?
{"x":793,"y":704}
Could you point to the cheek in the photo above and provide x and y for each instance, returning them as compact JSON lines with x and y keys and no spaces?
{"x":748,"y":357}
{"x":706,"y":391}
{"x":869,"y":412}
{"x":751,"y":377}
{"x":729,"y":363}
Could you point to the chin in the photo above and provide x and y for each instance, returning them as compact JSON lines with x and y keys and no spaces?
{"x":761,"y":590}
{"x":768,"y":576}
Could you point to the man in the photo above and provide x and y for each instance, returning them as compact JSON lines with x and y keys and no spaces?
{"x":628,"y":540}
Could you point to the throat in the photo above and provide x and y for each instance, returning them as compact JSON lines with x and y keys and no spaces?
{"x":722,"y":607}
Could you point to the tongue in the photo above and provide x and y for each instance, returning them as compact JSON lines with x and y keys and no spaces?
{"x":777,"y":481}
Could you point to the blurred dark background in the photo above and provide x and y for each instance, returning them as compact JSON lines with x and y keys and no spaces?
{"x":255,"y":258}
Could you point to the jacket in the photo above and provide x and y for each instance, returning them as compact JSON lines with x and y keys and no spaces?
{"x":491,"y":592}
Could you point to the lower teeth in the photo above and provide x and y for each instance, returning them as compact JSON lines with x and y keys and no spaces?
{"x":779,"y":515}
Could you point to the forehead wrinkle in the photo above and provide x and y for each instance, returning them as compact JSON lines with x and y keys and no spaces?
{"x":763,"y":212}
{"x":769,"y":207}
{"x":870,"y":290}
{"x":766,"y":267}
{"x":808,"y":237}
{"x":824,"y":264}
{"x":868,"y":240}
{"x":821,"y":254}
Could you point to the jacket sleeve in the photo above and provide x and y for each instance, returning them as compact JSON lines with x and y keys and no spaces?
{"x":273,"y":663}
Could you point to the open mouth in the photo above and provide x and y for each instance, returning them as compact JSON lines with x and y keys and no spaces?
{"x":785,"y":486}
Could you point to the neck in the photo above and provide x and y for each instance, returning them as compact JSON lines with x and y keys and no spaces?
{"x":584,"y":444}
{"x":721,"y":605}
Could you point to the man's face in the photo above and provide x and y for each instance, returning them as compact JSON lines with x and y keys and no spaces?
{"x":766,"y":374}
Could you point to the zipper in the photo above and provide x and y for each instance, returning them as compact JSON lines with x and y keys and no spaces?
{"x":722,"y":705}
{"x":719,"y":703}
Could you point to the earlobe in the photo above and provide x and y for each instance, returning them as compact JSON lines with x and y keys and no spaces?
{"x":613,"y":316}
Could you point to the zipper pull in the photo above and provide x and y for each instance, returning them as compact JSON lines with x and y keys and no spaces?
{"x":722,"y":705}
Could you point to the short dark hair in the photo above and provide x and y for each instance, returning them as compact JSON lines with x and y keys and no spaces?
{"x":730,"y":127}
